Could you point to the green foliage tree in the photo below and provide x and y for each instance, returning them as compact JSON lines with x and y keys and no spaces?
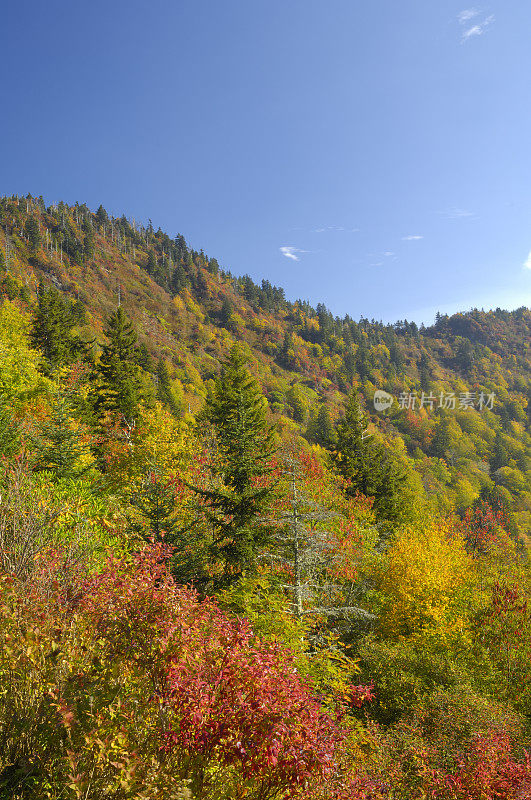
{"x":320,"y":428}
{"x":368,"y":467}
{"x":53,"y":321}
{"x":118,"y":387}
{"x":236,"y":410}
{"x":154,"y":506}
{"x":58,"y":447}
{"x":31,"y":229}
{"x":499,"y":457}
{"x":424,"y":372}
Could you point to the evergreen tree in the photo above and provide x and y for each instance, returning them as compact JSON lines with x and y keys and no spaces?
{"x":144,"y":358}
{"x":320,"y":428}
{"x":363,"y":360}
{"x":397,"y":358}
{"x":119,"y":384}
{"x":226,"y":312}
{"x":464,"y":354}
{"x":57,"y":445}
{"x":287,"y":351}
{"x":179,"y":279}
{"x":236,"y":409}
{"x":154,"y":501}
{"x":32,"y":232}
{"x":424,"y":372}
{"x":325,"y":429}
{"x":368,"y":467}
{"x":51,"y":331}
{"x":499,"y":456}
{"x":101,"y":217}
{"x":152,"y":264}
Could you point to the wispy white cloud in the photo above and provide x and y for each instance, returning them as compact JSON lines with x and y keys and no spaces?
{"x":457,"y":213}
{"x":467,"y":14}
{"x":527,"y":262}
{"x":326,"y":228}
{"x":478,"y":29}
{"x":291,"y":252}
{"x":413,"y":237}
{"x":388,"y":253}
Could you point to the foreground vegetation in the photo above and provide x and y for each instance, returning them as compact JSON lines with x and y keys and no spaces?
{"x":221,"y":576}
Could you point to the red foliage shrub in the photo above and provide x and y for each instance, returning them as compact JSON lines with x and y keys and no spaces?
{"x":489,"y":772}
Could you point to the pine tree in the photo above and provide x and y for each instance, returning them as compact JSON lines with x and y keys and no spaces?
{"x":51,"y":331}
{"x":363,"y":360}
{"x":325,"y":434}
{"x":57,"y":445}
{"x":152,"y":264}
{"x":499,"y":456}
{"x":369,"y":468}
{"x":179,"y":279}
{"x":225,"y":313}
{"x":155,"y":502}
{"x":101,"y":217}
{"x":119,"y":385}
{"x":32,"y":232}
{"x":424,"y":372}
{"x":352,"y":450}
{"x":236,"y":410}
{"x":144,"y":358}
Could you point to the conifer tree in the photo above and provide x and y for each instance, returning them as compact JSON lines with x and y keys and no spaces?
{"x":151,"y":264}
{"x":179,"y":279}
{"x":499,"y":457}
{"x":368,"y":467}
{"x":119,"y":385}
{"x":236,"y":410}
{"x":424,"y":372}
{"x":144,"y":358}
{"x":155,"y":502}
{"x":324,"y":430}
{"x":32,"y":232}
{"x":51,"y":332}
{"x":57,"y":445}
{"x":101,"y":217}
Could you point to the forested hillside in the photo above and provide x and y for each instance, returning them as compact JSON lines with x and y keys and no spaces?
{"x":228,"y":571}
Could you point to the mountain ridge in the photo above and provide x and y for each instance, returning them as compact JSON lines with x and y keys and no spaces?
{"x":189,"y":311}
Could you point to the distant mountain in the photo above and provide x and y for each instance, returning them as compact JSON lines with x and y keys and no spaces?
{"x":188,"y":310}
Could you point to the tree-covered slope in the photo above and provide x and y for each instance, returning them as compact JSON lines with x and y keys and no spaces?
{"x":188,"y":311}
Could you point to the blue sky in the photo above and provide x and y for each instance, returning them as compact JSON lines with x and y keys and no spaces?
{"x":375,"y":156}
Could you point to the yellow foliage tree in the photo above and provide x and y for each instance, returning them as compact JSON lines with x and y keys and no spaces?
{"x":422,"y":581}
